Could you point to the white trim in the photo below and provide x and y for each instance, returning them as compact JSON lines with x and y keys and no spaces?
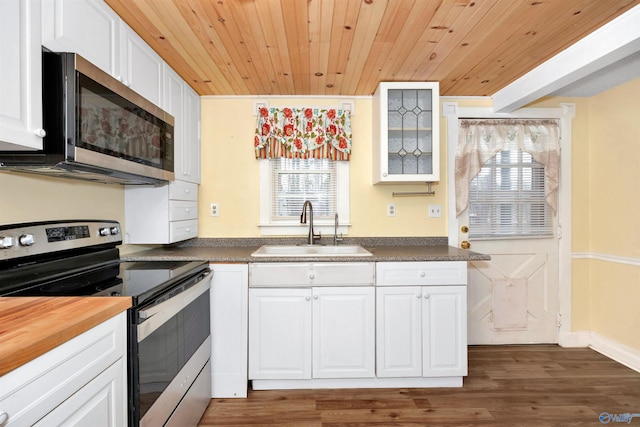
{"x":348,"y":104}
{"x":265,"y":98}
{"x":293,"y":228}
{"x":566,"y":112}
{"x":607,"y":258}
{"x":613,"y":350}
{"x":608,"y":44}
{"x":616,"y":351}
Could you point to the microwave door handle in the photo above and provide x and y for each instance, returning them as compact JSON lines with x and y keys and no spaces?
{"x":158,"y":315}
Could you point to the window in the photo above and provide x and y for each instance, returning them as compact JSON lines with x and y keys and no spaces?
{"x":507,"y":198}
{"x":295,"y":180}
{"x":287,"y":183}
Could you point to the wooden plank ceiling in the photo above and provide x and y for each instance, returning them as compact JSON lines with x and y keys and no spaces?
{"x":345,"y":47}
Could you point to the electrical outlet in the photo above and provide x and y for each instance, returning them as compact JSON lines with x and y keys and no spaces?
{"x":391,"y":209}
{"x":215,"y":211}
{"x":435,"y":211}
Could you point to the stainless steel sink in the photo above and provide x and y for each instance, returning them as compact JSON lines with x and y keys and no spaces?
{"x":310,"y":251}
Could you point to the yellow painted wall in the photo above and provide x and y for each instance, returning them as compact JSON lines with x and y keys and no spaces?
{"x":614,"y":212}
{"x":26,"y":198}
{"x":230,"y":176}
{"x":606,"y":204}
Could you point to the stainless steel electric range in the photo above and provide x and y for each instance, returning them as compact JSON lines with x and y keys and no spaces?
{"x":169,"y":341}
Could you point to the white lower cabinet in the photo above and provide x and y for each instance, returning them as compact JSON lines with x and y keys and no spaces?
{"x":304,"y":333}
{"x":346,"y":325}
{"x":421,"y":331}
{"x":79,"y":383}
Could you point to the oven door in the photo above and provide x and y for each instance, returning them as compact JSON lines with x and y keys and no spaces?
{"x":171,"y":348}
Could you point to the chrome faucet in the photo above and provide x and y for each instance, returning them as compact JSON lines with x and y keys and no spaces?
{"x":336,"y":239}
{"x":312,"y":237}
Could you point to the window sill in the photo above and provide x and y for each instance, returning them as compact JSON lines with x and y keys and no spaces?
{"x":297,"y":229}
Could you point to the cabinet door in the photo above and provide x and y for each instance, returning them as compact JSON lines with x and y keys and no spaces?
{"x":99,"y":403}
{"x":191,"y":145}
{"x":89,"y":28}
{"x":141,"y":67}
{"x":444,"y":328}
{"x":399,"y":331}
{"x":280,"y":333}
{"x":20,"y":75}
{"x":406,"y":143}
{"x":229,"y":317}
{"x":344,"y":332}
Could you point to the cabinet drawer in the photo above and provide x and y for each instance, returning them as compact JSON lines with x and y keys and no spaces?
{"x":182,"y":230}
{"x":311,"y":274}
{"x":180,"y":190}
{"x":421,"y":273}
{"x":180,"y":210}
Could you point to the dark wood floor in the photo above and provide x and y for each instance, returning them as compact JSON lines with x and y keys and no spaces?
{"x":541,"y":385}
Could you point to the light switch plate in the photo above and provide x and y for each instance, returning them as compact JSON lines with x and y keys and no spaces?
{"x":435,"y":211}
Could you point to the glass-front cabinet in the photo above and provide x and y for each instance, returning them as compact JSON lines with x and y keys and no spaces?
{"x":406,"y":141}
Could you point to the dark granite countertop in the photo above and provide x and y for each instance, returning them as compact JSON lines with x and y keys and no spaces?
{"x":228,"y":250}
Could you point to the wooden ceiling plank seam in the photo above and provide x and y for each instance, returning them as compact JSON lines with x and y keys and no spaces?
{"x":436,"y":28}
{"x":547,"y":35}
{"x":421,"y":36}
{"x":254,"y":41}
{"x":319,"y":42}
{"x":388,"y":44}
{"x":222,"y":61}
{"x":455,"y":43}
{"x":182,"y":40}
{"x":345,"y":16}
{"x":271,"y":21}
{"x":508,"y":23}
{"x":224,"y":22}
{"x":369,"y":19}
{"x":298,"y":50}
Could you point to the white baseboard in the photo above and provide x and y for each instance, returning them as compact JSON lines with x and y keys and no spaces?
{"x":614,"y":350}
{"x":620,"y":353}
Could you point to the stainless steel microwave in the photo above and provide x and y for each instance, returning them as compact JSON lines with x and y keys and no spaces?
{"x":96,"y":128}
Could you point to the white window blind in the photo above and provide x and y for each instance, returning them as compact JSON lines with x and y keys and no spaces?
{"x":295,"y":180}
{"x":507,"y":199}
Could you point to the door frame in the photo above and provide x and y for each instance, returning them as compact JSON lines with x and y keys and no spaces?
{"x":452,"y":112}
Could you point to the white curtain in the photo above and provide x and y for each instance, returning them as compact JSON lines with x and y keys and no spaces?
{"x":481,"y":139}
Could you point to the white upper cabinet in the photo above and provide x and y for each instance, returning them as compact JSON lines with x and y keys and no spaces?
{"x":183,"y":103}
{"x":89,"y":28}
{"x":20,"y":76}
{"x":94,"y":31}
{"x":189,"y":169}
{"x":406,"y":137}
{"x":140,"y":67}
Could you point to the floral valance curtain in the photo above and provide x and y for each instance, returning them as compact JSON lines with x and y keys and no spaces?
{"x":479,"y":140}
{"x":320,"y":133}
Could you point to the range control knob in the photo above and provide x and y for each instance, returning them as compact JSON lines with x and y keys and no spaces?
{"x":26,"y":240}
{"x":6,"y":242}
{"x":104,"y":231}
{"x":114,"y":230}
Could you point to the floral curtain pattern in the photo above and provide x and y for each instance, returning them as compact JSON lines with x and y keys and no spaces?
{"x":479,"y":140}
{"x":320,"y":133}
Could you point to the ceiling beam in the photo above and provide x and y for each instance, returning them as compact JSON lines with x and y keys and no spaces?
{"x":610,"y":43}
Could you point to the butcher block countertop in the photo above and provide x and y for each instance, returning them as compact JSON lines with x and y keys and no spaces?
{"x":31,"y":326}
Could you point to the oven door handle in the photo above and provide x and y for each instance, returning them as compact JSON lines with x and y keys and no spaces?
{"x":157,"y":315}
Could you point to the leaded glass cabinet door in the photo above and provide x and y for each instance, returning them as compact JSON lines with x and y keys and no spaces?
{"x":406,"y":138}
